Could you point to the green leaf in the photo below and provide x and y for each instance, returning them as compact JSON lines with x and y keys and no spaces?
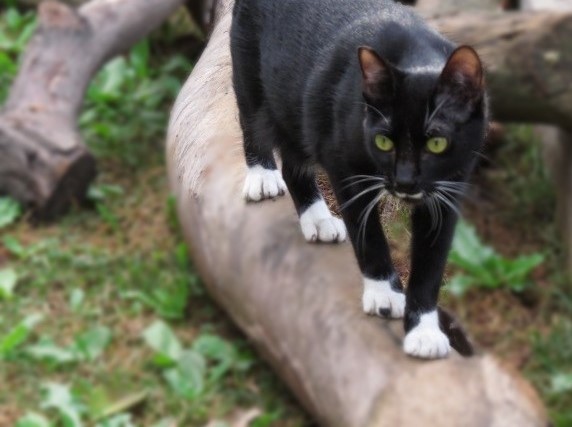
{"x":9,"y":211}
{"x":267,"y":419}
{"x":104,"y":191}
{"x":8,"y":281}
{"x":165,"y":422}
{"x":121,"y":405}
{"x":485,"y":268}
{"x":31,"y":419}
{"x":88,"y":345}
{"x":17,"y":335}
{"x":91,"y":344}
{"x":76,"y":299}
{"x":468,"y":247}
{"x":139,"y":58}
{"x":113,"y":77}
{"x":119,"y":420}
{"x":217,"y":349}
{"x":520,"y":268}
{"x":107,"y":215}
{"x":25,"y":35}
{"x":48,"y":350}
{"x":59,"y":397}
{"x":14,"y":246}
{"x":160,"y":337}
{"x":460,"y":284}
{"x":561,"y":383}
{"x":187,"y":379}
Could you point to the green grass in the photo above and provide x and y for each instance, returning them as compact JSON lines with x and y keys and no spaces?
{"x":103,"y":321}
{"x":525,"y":203}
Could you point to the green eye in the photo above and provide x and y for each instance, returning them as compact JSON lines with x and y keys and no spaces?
{"x":437,"y":145}
{"x":383,"y":143}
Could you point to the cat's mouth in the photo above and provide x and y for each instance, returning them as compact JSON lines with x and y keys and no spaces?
{"x":409,"y":197}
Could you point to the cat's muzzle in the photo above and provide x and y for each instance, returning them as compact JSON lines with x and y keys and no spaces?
{"x":409,"y":197}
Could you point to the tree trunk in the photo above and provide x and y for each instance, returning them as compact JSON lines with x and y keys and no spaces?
{"x":529,"y":58}
{"x":43,"y":162}
{"x":299,"y":303}
{"x":557,"y":147}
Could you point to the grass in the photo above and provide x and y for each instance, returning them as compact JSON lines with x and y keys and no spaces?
{"x":104,"y":322}
{"x":537,"y":318}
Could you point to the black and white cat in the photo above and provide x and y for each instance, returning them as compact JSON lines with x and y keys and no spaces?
{"x":385,"y":105}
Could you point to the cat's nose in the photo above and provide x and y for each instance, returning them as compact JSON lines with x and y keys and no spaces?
{"x":405,"y":181}
{"x":406,"y":186}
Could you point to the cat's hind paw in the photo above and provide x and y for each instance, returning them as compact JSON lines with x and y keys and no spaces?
{"x":319,"y":225}
{"x":261,"y":183}
{"x":380,"y":299}
{"x":426,"y":340}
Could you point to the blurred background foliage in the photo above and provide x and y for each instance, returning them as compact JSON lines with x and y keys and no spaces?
{"x":104,"y":322}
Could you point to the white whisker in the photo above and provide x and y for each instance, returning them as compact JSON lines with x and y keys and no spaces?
{"x":364,"y":217}
{"x":357,"y":196}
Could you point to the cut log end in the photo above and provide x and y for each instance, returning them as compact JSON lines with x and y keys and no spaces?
{"x":71,"y":188}
{"x":39,"y":173}
{"x":54,"y":14}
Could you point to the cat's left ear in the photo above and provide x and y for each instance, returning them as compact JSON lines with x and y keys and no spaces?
{"x":377,"y":76}
{"x":463,"y":77}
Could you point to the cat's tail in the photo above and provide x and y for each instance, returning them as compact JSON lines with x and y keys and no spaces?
{"x":458,"y":337}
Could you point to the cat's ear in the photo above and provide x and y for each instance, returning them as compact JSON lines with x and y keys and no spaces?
{"x":377,"y":76}
{"x":463,"y":76}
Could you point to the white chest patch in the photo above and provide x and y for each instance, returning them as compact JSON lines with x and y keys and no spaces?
{"x":426,"y":339}
{"x":261,"y":183}
{"x":379,"y":299}
{"x":319,"y":225}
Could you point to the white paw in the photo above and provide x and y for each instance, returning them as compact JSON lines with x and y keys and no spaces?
{"x":319,"y":225}
{"x":379,"y":299}
{"x":426,"y":340}
{"x":263,"y":184}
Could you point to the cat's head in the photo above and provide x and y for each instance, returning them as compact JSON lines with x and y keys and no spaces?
{"x":423,"y":127}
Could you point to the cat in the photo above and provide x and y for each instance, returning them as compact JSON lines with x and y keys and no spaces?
{"x":385,"y":105}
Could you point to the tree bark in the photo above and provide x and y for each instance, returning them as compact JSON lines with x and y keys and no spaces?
{"x":557,"y":148}
{"x":529,"y":58}
{"x":299,"y":303}
{"x":43,"y":162}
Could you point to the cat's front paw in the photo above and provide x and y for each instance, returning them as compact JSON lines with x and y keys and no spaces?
{"x":426,"y":340}
{"x":380,"y":299}
{"x":261,"y":183}
{"x":319,"y":225}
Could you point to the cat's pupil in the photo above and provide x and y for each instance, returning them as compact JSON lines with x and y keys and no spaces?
{"x":384,"y":143}
{"x":437,"y":145}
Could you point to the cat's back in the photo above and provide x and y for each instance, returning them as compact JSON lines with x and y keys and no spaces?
{"x":294,"y":38}
{"x":296,"y":34}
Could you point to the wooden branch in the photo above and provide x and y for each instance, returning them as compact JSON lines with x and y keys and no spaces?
{"x":202,"y":12}
{"x":529,"y":58}
{"x":299,"y":303}
{"x":43,"y":162}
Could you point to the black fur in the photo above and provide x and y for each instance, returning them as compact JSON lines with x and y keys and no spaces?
{"x":303,"y":88}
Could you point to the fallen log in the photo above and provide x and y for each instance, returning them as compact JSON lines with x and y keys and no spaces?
{"x":43,"y":162}
{"x":299,"y":303}
{"x":529,"y":58}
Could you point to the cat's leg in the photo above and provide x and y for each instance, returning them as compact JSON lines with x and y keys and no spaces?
{"x":424,"y":338}
{"x":316,"y":221}
{"x":382,"y":290}
{"x":263,"y":179}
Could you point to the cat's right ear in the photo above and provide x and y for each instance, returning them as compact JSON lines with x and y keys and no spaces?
{"x":377,"y":77}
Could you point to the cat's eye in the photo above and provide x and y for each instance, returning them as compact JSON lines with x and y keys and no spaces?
{"x":383,"y":143}
{"x":437,"y":145}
